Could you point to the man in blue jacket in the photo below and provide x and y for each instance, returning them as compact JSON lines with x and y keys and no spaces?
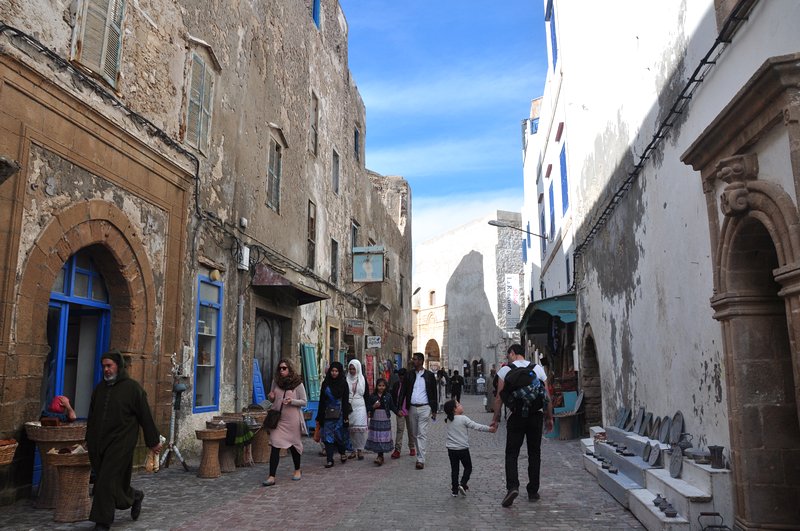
{"x":421,"y":403}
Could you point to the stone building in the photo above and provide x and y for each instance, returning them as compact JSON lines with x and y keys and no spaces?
{"x":183,"y":180}
{"x":469,"y":283}
{"x":679,"y":135}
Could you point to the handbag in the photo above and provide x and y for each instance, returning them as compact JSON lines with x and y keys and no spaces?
{"x":332,"y":413}
{"x":274,"y":416}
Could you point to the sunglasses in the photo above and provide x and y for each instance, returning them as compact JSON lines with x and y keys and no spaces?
{"x":284,"y":368}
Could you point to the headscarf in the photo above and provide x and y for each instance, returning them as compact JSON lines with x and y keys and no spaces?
{"x":290,"y":381}
{"x":338,"y":385}
{"x":357,"y":385}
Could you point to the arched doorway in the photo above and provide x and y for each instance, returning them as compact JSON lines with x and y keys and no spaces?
{"x":267,"y":346}
{"x":757,"y":304}
{"x":432,"y":355}
{"x":590,"y":381}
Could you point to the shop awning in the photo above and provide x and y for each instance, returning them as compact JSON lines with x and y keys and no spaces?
{"x":537,"y":315}
{"x":268,"y":282}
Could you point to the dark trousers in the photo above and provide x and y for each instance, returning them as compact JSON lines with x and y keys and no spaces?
{"x":112,"y":486}
{"x":529,"y":429}
{"x":455,"y":394}
{"x":456,"y":457}
{"x":337,"y":445}
{"x":275,"y":458}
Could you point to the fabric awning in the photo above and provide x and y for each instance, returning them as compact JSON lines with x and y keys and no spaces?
{"x":267,"y":281}
{"x":537,"y":315}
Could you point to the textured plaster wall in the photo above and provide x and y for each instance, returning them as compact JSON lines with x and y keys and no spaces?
{"x":646,"y":277}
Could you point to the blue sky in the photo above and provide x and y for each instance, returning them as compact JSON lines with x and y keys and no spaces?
{"x":446,"y":84}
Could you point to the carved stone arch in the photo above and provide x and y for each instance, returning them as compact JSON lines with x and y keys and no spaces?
{"x":590,"y":380}
{"x":105,"y":231}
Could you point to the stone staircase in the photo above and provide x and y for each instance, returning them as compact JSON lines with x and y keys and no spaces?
{"x":636,"y":483}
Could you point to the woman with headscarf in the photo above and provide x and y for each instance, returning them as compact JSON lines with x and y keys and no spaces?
{"x":332,"y":416}
{"x":359,"y":429}
{"x":288,"y":395}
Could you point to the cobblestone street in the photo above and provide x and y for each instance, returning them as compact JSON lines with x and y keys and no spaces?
{"x":360,"y":495}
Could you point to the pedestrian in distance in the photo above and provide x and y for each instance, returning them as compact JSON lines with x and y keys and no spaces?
{"x":334,"y":413}
{"x":421,"y":396}
{"x":456,"y":386}
{"x":357,"y":385}
{"x":117,"y":409}
{"x":522,"y":389}
{"x":458,"y":444}
{"x":441,"y":380}
{"x":379,"y":409}
{"x":288,"y":395}
{"x":403,"y":421}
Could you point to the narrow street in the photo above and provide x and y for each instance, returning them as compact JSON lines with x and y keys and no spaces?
{"x":360,"y":495}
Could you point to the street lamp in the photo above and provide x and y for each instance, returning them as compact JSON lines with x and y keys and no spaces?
{"x":507,"y":225}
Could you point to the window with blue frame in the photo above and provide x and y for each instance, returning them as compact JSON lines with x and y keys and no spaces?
{"x":315,"y":12}
{"x":208,"y":345}
{"x":534,"y":126}
{"x":552,"y":214}
{"x":543,"y":230}
{"x":550,"y":16}
{"x":564,"y":182}
{"x":78,"y":331}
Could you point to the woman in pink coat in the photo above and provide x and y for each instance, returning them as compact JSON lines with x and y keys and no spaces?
{"x":288,"y":395}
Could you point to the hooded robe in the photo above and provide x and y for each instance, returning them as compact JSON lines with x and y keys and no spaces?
{"x":116,"y":411}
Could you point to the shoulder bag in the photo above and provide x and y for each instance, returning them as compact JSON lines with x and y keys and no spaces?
{"x":274,"y":416}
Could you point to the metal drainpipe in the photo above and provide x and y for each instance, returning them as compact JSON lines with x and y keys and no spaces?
{"x":239,"y":349}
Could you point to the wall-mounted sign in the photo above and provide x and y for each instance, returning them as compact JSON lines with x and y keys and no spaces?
{"x":368,"y":264}
{"x":511,"y":306}
{"x":373,"y":341}
{"x":354,"y":327}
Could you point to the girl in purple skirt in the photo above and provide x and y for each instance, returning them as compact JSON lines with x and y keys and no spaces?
{"x":379,"y":404}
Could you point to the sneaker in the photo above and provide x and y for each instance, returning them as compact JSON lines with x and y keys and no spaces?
{"x":419,"y":466}
{"x":396,"y":454}
{"x":533,"y":497}
{"x":454,"y":494}
{"x":136,"y":508}
{"x":329,"y":464}
{"x":462,"y":490}
{"x":412,"y":452}
{"x":510,"y":497}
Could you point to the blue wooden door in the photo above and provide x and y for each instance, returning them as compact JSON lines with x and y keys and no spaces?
{"x":311,"y":372}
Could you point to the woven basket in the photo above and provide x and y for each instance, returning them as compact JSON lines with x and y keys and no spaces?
{"x":75,"y":431}
{"x":7,"y":453}
{"x":72,"y":496}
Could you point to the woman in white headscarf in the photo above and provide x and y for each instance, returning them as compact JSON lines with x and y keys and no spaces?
{"x":358,"y":418}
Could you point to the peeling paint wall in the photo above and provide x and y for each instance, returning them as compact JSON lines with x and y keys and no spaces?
{"x":645,"y":279}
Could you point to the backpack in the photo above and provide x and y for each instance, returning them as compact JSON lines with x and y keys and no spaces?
{"x":523,"y":392}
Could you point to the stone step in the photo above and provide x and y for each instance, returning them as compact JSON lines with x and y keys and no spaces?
{"x":617,"y":485}
{"x":591,"y":464}
{"x":641,"y":505}
{"x":687,"y":499}
{"x":632,"y":466}
{"x":587,"y":444}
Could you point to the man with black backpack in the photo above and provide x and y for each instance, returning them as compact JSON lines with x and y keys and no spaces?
{"x":521,"y":388}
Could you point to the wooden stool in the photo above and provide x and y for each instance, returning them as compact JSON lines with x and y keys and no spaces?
{"x":227,"y":458}
{"x":261,"y":447}
{"x":209,"y":462}
{"x":72,"y":495}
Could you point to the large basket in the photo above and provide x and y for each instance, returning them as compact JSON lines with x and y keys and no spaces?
{"x":72,"y":499}
{"x":75,"y":431}
{"x":7,"y":453}
{"x":81,"y":459}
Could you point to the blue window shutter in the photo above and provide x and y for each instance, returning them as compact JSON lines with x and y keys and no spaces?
{"x":552,"y":213}
{"x":524,"y":252}
{"x":528,"y":236}
{"x":553,"y":40}
{"x":315,"y":12}
{"x":564,"y":181}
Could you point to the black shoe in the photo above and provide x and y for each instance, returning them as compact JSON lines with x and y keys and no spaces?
{"x":462,"y":490}
{"x":136,"y":508}
{"x":533,"y":497}
{"x":101,"y":527}
{"x":510,"y":497}
{"x":329,"y":464}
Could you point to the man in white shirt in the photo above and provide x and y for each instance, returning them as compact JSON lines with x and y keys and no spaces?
{"x":522,"y":428}
{"x":421,"y":403}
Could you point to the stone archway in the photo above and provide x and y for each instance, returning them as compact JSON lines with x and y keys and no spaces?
{"x":432,"y":354}
{"x":757,"y":303}
{"x":104,"y":231}
{"x":590,"y":380}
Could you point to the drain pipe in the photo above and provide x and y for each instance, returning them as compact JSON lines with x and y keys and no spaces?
{"x":239,"y":351}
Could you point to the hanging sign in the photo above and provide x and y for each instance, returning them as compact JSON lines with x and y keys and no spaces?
{"x":368,"y":264}
{"x":373,"y":341}
{"x":354,"y":327}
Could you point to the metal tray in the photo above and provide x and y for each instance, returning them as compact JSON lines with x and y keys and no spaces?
{"x":644,"y":429}
{"x":654,"y":431}
{"x":677,"y":428}
{"x":663,"y":434}
{"x":639,"y":419}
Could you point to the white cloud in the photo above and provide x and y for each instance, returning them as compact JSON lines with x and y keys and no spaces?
{"x":433,"y":216}
{"x":451,"y":156}
{"x":452,"y":91}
